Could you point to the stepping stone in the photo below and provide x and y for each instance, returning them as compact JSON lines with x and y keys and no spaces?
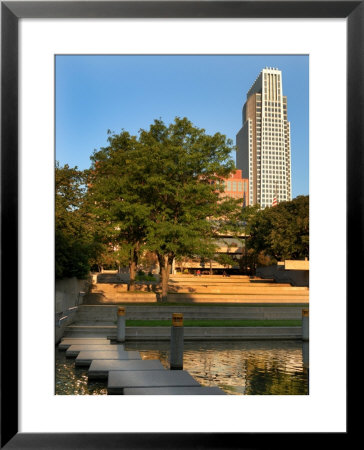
{"x":85,"y":357}
{"x":119,"y":380}
{"x":65,"y":343}
{"x":198,"y":390}
{"x":100,"y":369}
{"x":74,"y":350}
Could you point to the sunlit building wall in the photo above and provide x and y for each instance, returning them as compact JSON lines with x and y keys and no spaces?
{"x":235,"y":186}
{"x":264,"y":143}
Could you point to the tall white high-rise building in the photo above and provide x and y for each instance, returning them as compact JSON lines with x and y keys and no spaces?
{"x":263,"y":143}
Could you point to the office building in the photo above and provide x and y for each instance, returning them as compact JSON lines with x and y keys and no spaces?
{"x":263,"y":143}
{"x":237,"y":187}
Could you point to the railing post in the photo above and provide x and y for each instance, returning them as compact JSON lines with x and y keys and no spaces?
{"x":176,"y":356}
{"x":305,"y":325}
{"x":120,"y":337}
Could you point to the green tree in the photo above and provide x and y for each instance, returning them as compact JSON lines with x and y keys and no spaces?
{"x":183,"y":167}
{"x":282,"y":231}
{"x":224,"y":259}
{"x":160,"y":191}
{"x":115,"y":198}
{"x":72,"y":239}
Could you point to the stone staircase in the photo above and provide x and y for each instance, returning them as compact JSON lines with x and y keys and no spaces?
{"x":107,"y":314}
{"x":204,"y":289}
{"x":94,"y":321}
{"x":97,"y":316}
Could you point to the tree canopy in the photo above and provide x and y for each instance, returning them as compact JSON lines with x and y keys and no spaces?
{"x":74,"y":237}
{"x":161,"y":190}
{"x":281,"y":231}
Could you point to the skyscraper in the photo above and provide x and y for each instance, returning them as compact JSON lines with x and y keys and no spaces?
{"x":264,"y":143}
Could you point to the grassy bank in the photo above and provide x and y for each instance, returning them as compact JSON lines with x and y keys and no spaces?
{"x":216,"y":323}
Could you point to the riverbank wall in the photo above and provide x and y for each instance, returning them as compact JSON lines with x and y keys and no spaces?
{"x":68,"y":295}
{"x":190,"y":333}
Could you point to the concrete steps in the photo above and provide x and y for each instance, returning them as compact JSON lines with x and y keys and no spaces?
{"x":210,"y":277}
{"x":107,"y":296}
{"x":85,"y":357}
{"x":123,"y":370}
{"x":193,"y":298}
{"x":99,"y":369}
{"x":67,"y":342}
{"x":191,"y":390}
{"x":287,"y":297}
{"x":121,"y":289}
{"x":204,"y":289}
{"x":120,"y":380}
{"x":215,"y":333}
{"x":190,"y":333}
{"x":73,"y":350}
{"x":89,"y":330}
{"x":238,"y":289}
{"x":99,"y":321}
{"x":252,"y":296}
{"x":106,"y":315}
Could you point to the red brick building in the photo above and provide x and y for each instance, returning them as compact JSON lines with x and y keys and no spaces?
{"x":237,"y":187}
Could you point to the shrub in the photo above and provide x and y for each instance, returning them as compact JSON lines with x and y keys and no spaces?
{"x":145,"y":277}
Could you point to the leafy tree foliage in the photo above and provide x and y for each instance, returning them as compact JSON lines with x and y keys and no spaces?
{"x":160,"y":191}
{"x":184,"y":167}
{"x":74,"y":244}
{"x":115,"y":197}
{"x":225,"y":259}
{"x":281,"y":231}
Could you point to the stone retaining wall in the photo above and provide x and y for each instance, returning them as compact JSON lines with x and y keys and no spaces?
{"x":190,"y":333}
{"x":66,"y":299}
{"x":88,"y":313}
{"x":280,"y":275}
{"x":211,"y":333}
{"x":67,"y":292}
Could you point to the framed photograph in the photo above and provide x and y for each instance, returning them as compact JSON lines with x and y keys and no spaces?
{"x":32,"y":33}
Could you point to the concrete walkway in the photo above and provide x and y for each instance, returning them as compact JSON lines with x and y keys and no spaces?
{"x":127,"y":374}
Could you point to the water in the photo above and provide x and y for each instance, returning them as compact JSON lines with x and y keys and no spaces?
{"x":71,"y":380}
{"x":237,"y":367}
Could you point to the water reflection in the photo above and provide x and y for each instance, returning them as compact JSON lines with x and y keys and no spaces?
{"x":237,"y":367}
{"x":71,"y":380}
{"x":240,"y":367}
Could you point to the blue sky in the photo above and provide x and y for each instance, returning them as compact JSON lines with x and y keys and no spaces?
{"x":97,"y":93}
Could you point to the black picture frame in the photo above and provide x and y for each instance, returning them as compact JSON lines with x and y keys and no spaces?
{"x":11,"y":12}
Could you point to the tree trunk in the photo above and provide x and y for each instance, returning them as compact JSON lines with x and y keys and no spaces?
{"x":132,"y":272}
{"x":133,"y":263}
{"x":165,"y":264}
